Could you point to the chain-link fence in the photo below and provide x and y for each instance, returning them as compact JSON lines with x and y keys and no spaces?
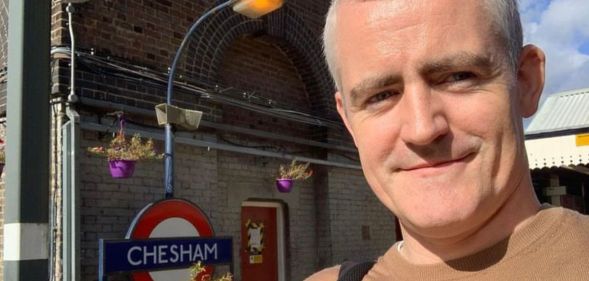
{"x":3,"y":33}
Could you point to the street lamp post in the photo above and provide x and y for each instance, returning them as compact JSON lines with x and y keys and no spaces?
{"x":249,"y":8}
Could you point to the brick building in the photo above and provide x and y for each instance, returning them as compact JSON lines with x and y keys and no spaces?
{"x":266,"y":97}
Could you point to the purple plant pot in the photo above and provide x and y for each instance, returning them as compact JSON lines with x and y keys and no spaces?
{"x":121,"y":169}
{"x":284,"y":185}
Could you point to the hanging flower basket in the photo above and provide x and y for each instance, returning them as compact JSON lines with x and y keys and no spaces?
{"x":121,"y":169}
{"x":123,"y":153}
{"x":288,"y":174}
{"x":284,"y":185}
{"x":2,"y":155}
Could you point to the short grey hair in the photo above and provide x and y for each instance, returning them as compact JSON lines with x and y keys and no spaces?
{"x":505,"y":19}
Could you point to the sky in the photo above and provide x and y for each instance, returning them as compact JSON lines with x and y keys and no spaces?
{"x":561,"y":29}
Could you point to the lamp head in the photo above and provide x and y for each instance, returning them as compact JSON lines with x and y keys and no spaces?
{"x":256,"y":8}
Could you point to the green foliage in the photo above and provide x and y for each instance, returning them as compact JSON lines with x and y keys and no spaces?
{"x":122,"y":149}
{"x":198,"y":268}
{"x":295,"y":171}
{"x":2,"y":153}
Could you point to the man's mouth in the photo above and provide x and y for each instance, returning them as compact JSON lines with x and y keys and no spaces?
{"x":437,"y":163}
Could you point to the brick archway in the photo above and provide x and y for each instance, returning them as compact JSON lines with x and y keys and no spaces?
{"x":293,"y":37}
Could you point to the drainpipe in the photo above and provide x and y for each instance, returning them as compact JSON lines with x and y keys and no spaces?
{"x":70,"y":188}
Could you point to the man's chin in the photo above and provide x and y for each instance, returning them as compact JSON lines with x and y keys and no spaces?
{"x":439,"y":224}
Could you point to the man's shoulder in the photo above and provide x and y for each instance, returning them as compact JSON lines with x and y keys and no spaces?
{"x":558,"y":220}
{"x":327,"y":274}
{"x":563,"y":247}
{"x":571,"y":217}
{"x":576,"y":222}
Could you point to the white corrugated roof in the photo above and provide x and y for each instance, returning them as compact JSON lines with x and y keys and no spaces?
{"x":556,"y":152}
{"x":563,"y":111}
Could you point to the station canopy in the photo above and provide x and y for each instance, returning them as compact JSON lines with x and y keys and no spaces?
{"x":558,"y":136}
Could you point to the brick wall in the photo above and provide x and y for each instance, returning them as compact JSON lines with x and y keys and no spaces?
{"x":216,"y":181}
{"x":148,"y":33}
{"x":271,"y":74}
{"x":354,"y":210}
{"x":246,"y":177}
{"x":108,"y":205}
{"x":261,"y":60}
{"x":261,"y":68}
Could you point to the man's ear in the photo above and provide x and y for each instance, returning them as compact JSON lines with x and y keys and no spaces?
{"x":341,"y":109}
{"x":530,"y":79}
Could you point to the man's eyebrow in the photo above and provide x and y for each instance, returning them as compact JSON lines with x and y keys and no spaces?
{"x":371,"y":83}
{"x":462,"y":59}
{"x":486,"y":62}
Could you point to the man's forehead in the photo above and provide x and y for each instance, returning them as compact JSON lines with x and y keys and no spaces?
{"x":396,"y":30}
{"x":405,"y":12}
{"x":384,"y":17}
{"x":387,"y":7}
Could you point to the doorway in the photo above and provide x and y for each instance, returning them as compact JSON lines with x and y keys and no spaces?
{"x":262,"y":254}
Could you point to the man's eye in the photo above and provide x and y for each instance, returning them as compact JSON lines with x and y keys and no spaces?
{"x":460,"y":76}
{"x":380,"y":97}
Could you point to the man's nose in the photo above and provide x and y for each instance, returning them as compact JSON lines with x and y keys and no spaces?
{"x":423,"y":117}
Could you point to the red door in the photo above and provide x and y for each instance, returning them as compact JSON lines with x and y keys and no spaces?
{"x":259,"y":250}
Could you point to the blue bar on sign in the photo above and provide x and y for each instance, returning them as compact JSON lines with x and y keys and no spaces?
{"x":164,"y":253}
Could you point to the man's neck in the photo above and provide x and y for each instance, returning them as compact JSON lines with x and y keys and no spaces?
{"x":517,"y":211}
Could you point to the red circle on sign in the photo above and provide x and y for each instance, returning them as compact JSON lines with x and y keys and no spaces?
{"x":155,"y":213}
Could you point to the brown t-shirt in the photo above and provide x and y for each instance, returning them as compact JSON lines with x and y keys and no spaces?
{"x":553,"y":246}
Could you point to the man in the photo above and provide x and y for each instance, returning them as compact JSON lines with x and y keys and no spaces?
{"x":433,"y":94}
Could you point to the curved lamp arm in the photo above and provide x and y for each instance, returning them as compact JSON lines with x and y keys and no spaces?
{"x":169,"y":153}
{"x":192,"y":29}
{"x":249,"y":8}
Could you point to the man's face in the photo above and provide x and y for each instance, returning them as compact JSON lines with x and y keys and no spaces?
{"x":432,"y":104}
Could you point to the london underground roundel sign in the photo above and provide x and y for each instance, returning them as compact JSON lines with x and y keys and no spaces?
{"x":166,"y":219}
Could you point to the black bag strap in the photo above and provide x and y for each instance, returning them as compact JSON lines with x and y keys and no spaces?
{"x":353,"y":270}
